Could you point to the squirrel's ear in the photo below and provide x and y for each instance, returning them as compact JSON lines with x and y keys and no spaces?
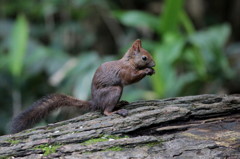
{"x":137,"y":45}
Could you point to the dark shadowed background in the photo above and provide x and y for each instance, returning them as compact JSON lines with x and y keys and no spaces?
{"x":49,"y":46}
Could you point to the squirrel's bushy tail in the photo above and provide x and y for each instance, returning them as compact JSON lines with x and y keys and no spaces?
{"x":43,"y":107}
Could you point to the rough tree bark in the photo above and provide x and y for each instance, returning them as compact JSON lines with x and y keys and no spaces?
{"x":204,"y":126}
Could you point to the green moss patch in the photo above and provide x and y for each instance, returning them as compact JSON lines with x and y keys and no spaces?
{"x":47,"y":149}
{"x":92,"y":141}
{"x":13,"y":142}
{"x":102,"y":139}
{"x":114,"y":137}
{"x":115,"y":148}
{"x":151,"y":144}
{"x":29,"y":130}
{"x":5,"y":157}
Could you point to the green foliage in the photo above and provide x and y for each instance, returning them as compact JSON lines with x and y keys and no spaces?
{"x":211,"y":43}
{"x":18,"y":46}
{"x":80,"y":75}
{"x":14,"y":60}
{"x":171,"y":16}
{"x":137,"y":19}
{"x":32,"y":69}
{"x":12,"y":63}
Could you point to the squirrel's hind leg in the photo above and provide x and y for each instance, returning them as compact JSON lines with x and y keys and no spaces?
{"x":111,"y":99}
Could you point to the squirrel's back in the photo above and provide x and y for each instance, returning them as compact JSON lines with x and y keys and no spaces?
{"x":107,"y":74}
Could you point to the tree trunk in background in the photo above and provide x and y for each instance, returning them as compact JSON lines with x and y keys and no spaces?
{"x":204,"y":126}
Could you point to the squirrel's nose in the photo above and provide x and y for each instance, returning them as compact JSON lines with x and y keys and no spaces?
{"x":151,"y":64}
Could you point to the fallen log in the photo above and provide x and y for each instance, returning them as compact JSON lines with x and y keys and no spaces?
{"x":203,"y":126}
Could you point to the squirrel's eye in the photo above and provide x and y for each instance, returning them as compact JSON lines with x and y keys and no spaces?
{"x":144,"y":58}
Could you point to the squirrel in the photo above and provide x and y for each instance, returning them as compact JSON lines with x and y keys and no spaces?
{"x":106,"y":90}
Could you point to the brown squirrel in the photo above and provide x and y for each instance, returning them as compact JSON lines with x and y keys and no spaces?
{"x":107,"y":85}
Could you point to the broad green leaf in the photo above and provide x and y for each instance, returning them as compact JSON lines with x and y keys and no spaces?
{"x":137,"y":19}
{"x":172,"y":47}
{"x":215,"y":36}
{"x":177,"y":83}
{"x":164,"y":70}
{"x":186,"y":22}
{"x":82,"y":87}
{"x":171,"y":15}
{"x":195,"y":58}
{"x":36,"y":60}
{"x":18,"y":46}
{"x":85,"y":63}
{"x":56,"y":59}
{"x":3,"y":60}
{"x":211,"y":43}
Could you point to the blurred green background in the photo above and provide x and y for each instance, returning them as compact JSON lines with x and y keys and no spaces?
{"x":49,"y":46}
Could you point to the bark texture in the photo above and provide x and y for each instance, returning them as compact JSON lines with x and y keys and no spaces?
{"x":203,"y":126}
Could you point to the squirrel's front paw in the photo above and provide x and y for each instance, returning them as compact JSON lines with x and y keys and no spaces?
{"x":149,"y":71}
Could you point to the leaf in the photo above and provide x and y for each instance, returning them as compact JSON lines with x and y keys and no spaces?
{"x":56,"y":59}
{"x":3,"y":60}
{"x":82,"y":88}
{"x":171,"y":15}
{"x":18,"y":46}
{"x":173,"y":47}
{"x":186,"y":22}
{"x":211,"y":43}
{"x":195,"y":58}
{"x":37,"y":58}
{"x":163,"y":70}
{"x":137,"y":19}
{"x":86,"y":63}
{"x":174,"y":88}
{"x":215,"y":36}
